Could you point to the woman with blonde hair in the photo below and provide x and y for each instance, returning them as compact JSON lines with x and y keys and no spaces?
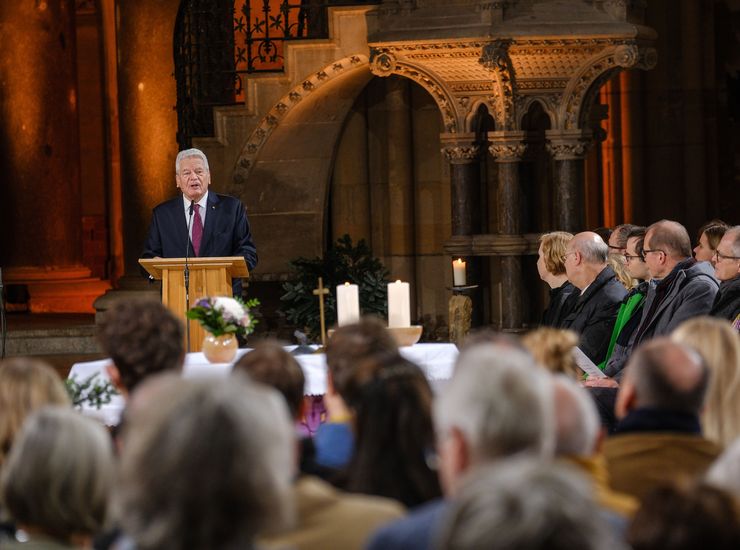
{"x":551,"y":269}
{"x":553,"y":349}
{"x":719,"y":346}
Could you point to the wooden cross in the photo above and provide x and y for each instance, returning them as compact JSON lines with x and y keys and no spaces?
{"x":320,"y":292}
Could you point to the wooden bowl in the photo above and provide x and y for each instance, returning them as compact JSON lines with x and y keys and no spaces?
{"x":406,"y":336}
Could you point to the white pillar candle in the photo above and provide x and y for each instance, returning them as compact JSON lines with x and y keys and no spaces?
{"x":399,"y":305}
{"x":348,"y":304}
{"x":458,"y":272}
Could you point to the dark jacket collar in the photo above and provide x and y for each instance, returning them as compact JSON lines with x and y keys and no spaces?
{"x":658,"y":420}
{"x":606,"y":275}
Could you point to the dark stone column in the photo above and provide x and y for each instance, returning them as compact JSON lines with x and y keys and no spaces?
{"x":568,"y":149}
{"x":507,"y":149}
{"x":40,"y":223}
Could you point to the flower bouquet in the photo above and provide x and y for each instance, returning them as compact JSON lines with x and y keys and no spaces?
{"x":223,"y":319}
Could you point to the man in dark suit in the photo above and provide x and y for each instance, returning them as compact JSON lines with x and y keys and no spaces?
{"x":218,"y":224}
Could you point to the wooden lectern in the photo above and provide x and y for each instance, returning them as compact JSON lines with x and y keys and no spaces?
{"x":208,"y":277}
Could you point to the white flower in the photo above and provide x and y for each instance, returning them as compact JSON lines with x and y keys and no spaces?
{"x":229,"y":308}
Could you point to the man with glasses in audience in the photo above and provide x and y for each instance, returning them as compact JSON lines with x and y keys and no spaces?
{"x":681,"y":288}
{"x":727,"y":269}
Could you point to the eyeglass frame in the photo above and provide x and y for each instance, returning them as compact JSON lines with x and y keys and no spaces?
{"x":721,"y":256}
{"x":645,"y":252}
{"x":629,"y":257}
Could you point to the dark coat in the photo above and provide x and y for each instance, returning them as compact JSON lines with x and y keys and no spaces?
{"x":727,"y":302}
{"x":559,"y":305}
{"x":225,"y":232}
{"x":594,"y":314}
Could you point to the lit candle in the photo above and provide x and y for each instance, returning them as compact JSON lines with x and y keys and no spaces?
{"x":458,"y":273}
{"x":348,"y":304}
{"x":399,"y":305}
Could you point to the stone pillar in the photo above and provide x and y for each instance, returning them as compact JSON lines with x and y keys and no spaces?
{"x":507,"y":149}
{"x":40,"y":223}
{"x":568,"y":149}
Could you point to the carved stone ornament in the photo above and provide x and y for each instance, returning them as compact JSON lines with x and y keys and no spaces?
{"x":507,"y":152}
{"x":382,"y":63}
{"x":568,"y":150}
{"x":461,"y":154}
{"x":495,"y":57}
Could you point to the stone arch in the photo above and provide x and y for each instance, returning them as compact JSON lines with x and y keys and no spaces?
{"x":526,"y":103}
{"x":383,"y":63}
{"x":474,"y":113}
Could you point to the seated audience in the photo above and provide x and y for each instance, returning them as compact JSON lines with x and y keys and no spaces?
{"x":552,"y":271}
{"x":685,"y":517}
{"x":497,"y":404}
{"x":57,"y":480}
{"x":719,"y":347}
{"x":619,"y":266}
{"x":617,"y":241}
{"x":682,"y":288}
{"x":630,"y":310}
{"x":205,"y":464}
{"x":553,"y":349}
{"x":141,"y":337}
{"x":348,"y":347}
{"x":727,"y":270}
{"x":595,"y":309}
{"x":525,"y":504}
{"x":578,"y":443}
{"x":710,"y":234}
{"x":659,"y":436}
{"x":325,"y":517}
{"x":394,"y":435}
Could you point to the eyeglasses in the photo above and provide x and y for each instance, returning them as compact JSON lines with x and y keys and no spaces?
{"x":645,"y":251}
{"x":629,"y":257}
{"x":564,"y":258}
{"x":721,"y":256}
{"x":612,"y":247}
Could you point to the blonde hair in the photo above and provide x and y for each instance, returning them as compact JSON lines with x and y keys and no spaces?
{"x":719,"y":346}
{"x":553,"y":349}
{"x":553,"y":250}
{"x":25,"y":386}
{"x":619,"y":266}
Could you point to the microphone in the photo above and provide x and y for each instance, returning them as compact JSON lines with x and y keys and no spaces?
{"x":187,"y":274}
{"x":3,"y":325}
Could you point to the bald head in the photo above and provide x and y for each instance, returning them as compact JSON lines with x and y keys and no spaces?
{"x":576,"y":419}
{"x":667,"y":376}
{"x":585,"y":257}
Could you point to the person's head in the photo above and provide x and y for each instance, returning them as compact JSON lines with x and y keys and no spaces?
{"x":550,"y":256}
{"x":394,"y":436}
{"x":25,"y":385}
{"x":498,"y":403}
{"x":205,"y":464}
{"x":585,"y":257}
{"x":707,"y":240}
{"x":618,"y":239}
{"x":634,"y":261}
{"x":348,"y":348}
{"x":59,"y":475}
{"x":727,"y":255}
{"x":528,"y":504}
{"x":577,"y":424}
{"x":666,"y":244}
{"x":618,"y":263}
{"x":685,"y":517}
{"x":717,"y":343}
{"x":269,"y":364}
{"x":192,"y":173}
{"x":553,"y":349}
{"x":141,"y":337}
{"x":663,"y":375}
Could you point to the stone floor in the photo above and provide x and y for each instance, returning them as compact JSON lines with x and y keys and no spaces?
{"x":57,"y":338}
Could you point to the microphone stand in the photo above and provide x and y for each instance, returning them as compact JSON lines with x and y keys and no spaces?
{"x":3,"y":324}
{"x":187,"y":276}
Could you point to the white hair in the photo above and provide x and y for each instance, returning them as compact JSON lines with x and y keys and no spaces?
{"x":59,"y":473}
{"x":576,"y":418}
{"x":594,"y":251}
{"x":525,"y":503}
{"x":501,"y":401}
{"x":725,"y":472}
{"x":734,"y":233}
{"x":190,"y":153}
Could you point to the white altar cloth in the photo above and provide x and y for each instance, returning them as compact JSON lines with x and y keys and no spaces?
{"x":436,"y":360}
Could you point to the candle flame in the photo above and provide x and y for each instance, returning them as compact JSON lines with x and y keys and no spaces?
{"x":346,"y":284}
{"x":398,"y":280}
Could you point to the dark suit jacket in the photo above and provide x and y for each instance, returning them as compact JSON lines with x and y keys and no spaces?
{"x":225,"y":232}
{"x":594,"y":314}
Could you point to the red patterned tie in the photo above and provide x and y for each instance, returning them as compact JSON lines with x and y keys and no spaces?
{"x":197,"y":229}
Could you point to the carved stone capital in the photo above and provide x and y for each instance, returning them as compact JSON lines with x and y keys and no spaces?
{"x":460,"y":148}
{"x":507,"y":146}
{"x":568,"y":145}
{"x":382,"y":63}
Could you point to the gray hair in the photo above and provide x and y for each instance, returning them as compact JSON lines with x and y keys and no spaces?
{"x":594,"y":251}
{"x":734,"y":233}
{"x":576,"y":417}
{"x":221,"y":451}
{"x":190,"y":153}
{"x":524,"y":503}
{"x":501,"y":401}
{"x":725,"y":472}
{"x":59,"y":474}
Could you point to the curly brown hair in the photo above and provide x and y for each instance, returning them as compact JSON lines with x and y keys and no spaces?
{"x":142,"y":337}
